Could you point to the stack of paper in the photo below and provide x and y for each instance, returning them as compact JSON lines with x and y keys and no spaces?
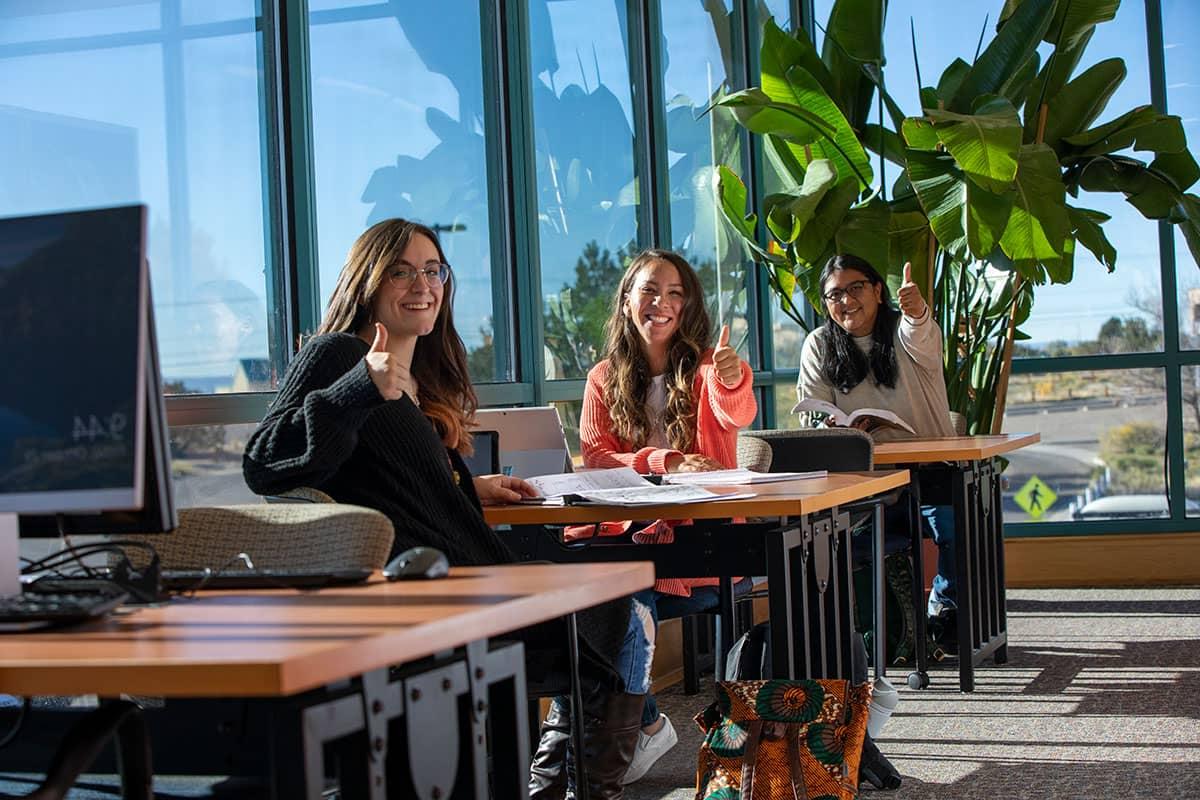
{"x":619,"y":487}
{"x":736,"y":477}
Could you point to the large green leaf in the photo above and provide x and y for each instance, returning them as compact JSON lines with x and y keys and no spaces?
{"x":941,"y":189}
{"x":1005,"y":54}
{"x":1082,"y":100}
{"x":1189,"y":225}
{"x":781,"y":156}
{"x":883,"y":142}
{"x":788,"y":212}
{"x":1086,"y":224}
{"x":759,"y":113}
{"x":1153,"y":195}
{"x":853,"y":37}
{"x":875,"y":75}
{"x":919,"y":134}
{"x":966,"y":218}
{"x":952,"y":78}
{"x":1016,"y":87}
{"x":1143,"y":128}
{"x":1038,"y":226}
{"x":1072,"y":18}
{"x":781,"y":51}
{"x":732,"y":194}
{"x":985,"y":145}
{"x":1049,"y":82}
{"x":817,"y":236}
{"x":1180,"y":168}
{"x":842,"y":148}
{"x":908,"y":240}
{"x":863,"y":232}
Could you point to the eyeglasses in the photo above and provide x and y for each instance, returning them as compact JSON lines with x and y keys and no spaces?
{"x":402,"y":276}
{"x":836,"y":296}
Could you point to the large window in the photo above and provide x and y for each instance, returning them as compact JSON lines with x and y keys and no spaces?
{"x":398,"y":131}
{"x":587,"y":194}
{"x":102,"y":104}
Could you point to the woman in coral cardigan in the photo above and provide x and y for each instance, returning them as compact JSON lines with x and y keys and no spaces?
{"x":663,"y":401}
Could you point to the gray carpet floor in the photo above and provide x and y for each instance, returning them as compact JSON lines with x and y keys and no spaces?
{"x":1100,"y":698}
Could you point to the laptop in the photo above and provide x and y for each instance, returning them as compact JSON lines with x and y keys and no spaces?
{"x":531,"y":440}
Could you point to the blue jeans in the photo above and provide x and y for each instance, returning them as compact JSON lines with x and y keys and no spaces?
{"x":637,"y":650}
{"x":938,"y":522}
{"x":668,"y":606}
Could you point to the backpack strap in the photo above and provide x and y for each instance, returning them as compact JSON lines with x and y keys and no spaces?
{"x":799,"y":790}
{"x":750,"y":758}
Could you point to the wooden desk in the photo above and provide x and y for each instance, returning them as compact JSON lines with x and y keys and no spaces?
{"x":961,"y":471}
{"x":803,"y":549}
{"x":301,"y":645}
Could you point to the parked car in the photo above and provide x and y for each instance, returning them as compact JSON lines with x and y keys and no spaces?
{"x":1131,"y":506}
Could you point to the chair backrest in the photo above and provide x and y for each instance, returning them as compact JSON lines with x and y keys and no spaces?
{"x":806,"y":449}
{"x":753,"y":453}
{"x":297,"y":536}
{"x":302,"y":494}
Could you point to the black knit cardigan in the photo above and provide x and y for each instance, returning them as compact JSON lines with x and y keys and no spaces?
{"x":330,"y":429}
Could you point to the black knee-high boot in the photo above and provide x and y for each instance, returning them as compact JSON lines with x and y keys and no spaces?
{"x":548,"y":772}
{"x":612,"y":721}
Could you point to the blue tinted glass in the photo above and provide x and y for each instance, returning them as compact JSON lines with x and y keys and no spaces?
{"x":398,"y":132}
{"x":88,"y":118}
{"x":586,"y":191}
{"x":698,"y":59}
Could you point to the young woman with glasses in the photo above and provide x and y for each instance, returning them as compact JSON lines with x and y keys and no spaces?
{"x":868,"y":354}
{"x":662,"y":400}
{"x":375,"y":410}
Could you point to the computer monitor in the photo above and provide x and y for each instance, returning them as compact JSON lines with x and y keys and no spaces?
{"x":83,"y":436}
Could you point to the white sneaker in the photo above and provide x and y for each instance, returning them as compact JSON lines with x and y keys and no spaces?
{"x":650,"y":749}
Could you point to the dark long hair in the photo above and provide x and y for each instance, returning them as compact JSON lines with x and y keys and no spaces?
{"x":843,"y":364}
{"x":440,"y":359}
{"x":628,"y":378}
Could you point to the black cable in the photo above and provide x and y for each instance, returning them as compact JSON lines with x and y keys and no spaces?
{"x":16,"y":728}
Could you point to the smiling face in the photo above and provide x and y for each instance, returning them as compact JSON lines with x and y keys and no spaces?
{"x":654,"y":304}
{"x":856,"y":302}
{"x":410,"y":308}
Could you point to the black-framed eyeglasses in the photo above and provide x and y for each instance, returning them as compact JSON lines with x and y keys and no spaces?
{"x":403,"y":275}
{"x":855,"y":290}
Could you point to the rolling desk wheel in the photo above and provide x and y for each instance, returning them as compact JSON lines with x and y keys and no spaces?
{"x":918,"y":680}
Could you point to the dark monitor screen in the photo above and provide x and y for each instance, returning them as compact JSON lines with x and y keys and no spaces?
{"x":486,"y":458}
{"x":81,"y":426}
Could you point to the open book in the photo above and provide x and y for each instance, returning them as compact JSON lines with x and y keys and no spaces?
{"x":620,"y":486}
{"x":876,"y":416}
{"x":728,"y":477}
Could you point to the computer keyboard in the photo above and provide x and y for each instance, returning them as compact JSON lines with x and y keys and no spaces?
{"x":266,"y":578}
{"x":61,"y":605}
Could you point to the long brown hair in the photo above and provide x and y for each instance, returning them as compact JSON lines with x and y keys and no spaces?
{"x":628,"y":378}
{"x":440,"y":359}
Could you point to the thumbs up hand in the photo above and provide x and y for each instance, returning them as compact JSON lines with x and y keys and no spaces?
{"x":912,"y":304}
{"x":727,"y":362}
{"x":390,"y":377}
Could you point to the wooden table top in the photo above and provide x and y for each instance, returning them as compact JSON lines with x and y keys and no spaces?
{"x":779,"y":499}
{"x":951,"y":448}
{"x":278,"y":642}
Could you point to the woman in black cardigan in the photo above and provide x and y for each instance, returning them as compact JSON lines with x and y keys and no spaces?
{"x":375,"y":410}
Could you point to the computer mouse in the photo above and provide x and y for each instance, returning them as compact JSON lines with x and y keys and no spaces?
{"x":417,"y":563}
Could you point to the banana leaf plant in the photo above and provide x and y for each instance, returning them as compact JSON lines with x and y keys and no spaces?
{"x":986,"y":203}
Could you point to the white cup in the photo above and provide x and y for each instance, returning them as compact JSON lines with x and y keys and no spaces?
{"x":884,"y":698}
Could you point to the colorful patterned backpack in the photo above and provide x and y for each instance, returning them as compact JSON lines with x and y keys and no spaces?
{"x":782,"y":740}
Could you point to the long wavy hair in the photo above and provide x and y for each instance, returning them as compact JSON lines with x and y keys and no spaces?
{"x":440,"y":359}
{"x":843,"y":364}
{"x":628,"y":380}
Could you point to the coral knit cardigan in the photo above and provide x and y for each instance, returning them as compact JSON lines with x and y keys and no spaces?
{"x":722,"y":412}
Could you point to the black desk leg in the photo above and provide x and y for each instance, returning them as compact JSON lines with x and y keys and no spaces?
{"x":1000,"y":655}
{"x":785,"y":560}
{"x":878,"y":589}
{"x":963,"y":485}
{"x":577,"y":719}
{"x":727,"y":631}
{"x":919,"y":678}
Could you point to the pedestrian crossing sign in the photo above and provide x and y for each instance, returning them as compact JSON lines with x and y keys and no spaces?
{"x":1035,"y":497}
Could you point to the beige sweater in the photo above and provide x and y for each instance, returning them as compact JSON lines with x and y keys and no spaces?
{"x":919,"y":397}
